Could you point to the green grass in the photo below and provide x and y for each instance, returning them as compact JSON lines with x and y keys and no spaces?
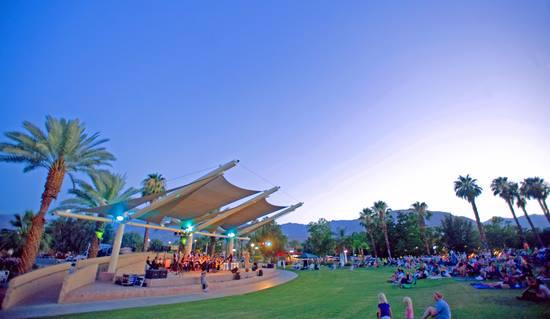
{"x":343,"y":294}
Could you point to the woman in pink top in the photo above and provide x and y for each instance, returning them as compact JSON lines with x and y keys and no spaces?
{"x":409,"y":312}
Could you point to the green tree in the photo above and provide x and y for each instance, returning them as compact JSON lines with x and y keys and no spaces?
{"x":405,"y":235}
{"x":358,"y":243}
{"x":382,"y":209}
{"x":421,"y":210}
{"x":105,"y":188}
{"x":15,"y":238}
{"x":71,"y":235}
{"x":132,"y":240}
{"x":536,"y":188}
{"x":467,"y":188}
{"x":505,"y":189}
{"x":458,"y":234}
{"x":270,"y":233}
{"x":368,"y":217}
{"x":320,"y":241}
{"x":153,"y":184}
{"x":156,"y":245}
{"x":65,"y":148}
{"x":501,"y":234}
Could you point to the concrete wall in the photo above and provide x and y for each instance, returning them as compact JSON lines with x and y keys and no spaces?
{"x":44,"y":281}
{"x":80,"y":278}
{"x":49,"y":281}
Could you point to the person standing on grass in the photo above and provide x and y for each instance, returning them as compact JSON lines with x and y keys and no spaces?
{"x":384,"y":309}
{"x":441,"y":309}
{"x":409,"y":311}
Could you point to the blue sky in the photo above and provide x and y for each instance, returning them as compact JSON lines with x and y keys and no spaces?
{"x":341,"y":104}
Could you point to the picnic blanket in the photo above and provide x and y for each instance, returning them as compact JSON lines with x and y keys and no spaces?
{"x":485,"y":286}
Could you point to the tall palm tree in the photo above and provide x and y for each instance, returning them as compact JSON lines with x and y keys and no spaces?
{"x":153,"y":184}
{"x":367,"y":221}
{"x":421,"y":210}
{"x":381,"y":208}
{"x":521,"y":202}
{"x":505,"y":189}
{"x":105,"y":188}
{"x":537,"y":188}
{"x":467,"y":188}
{"x":64,"y":149}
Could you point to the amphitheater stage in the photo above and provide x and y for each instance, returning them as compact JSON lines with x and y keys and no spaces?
{"x":175,"y":289}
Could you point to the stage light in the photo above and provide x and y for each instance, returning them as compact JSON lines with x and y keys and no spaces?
{"x":119,"y":218}
{"x":231,"y":235}
{"x":189,"y":228}
{"x":268,"y":243}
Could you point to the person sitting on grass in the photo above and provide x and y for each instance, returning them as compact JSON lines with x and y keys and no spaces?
{"x":384,"y":309}
{"x":536,"y":291}
{"x":406,"y":280}
{"x":409,"y":311}
{"x":441,"y":309}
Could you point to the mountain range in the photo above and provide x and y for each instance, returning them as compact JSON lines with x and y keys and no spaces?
{"x":295,"y":231}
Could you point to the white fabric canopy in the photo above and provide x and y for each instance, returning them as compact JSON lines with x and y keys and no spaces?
{"x":215,"y":194}
{"x":256,"y":210}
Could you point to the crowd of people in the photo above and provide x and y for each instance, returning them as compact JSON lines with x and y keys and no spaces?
{"x":194,"y":261}
{"x":508,"y":269}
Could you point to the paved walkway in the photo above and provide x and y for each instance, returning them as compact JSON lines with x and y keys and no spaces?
{"x":52,"y":309}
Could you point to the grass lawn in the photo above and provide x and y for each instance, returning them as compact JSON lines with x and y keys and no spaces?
{"x":343,"y":294}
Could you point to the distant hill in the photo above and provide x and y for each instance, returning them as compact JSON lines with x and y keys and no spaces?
{"x":295,"y":231}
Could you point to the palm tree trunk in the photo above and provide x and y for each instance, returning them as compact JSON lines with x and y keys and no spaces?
{"x":94,"y":248}
{"x":532,"y":227}
{"x":52,"y":187}
{"x":146,"y":238}
{"x":373,"y":244}
{"x":545,"y":205}
{"x":480,"y":227}
{"x":422,"y":227}
{"x":520,"y":230}
{"x":546,"y":213}
{"x":387,"y":240}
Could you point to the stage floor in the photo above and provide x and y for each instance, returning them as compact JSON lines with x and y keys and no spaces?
{"x":186,"y":283}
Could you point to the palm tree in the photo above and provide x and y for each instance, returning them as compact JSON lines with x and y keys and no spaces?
{"x":421,"y":210}
{"x":105,"y":188}
{"x":536,"y":188}
{"x":153,"y":184}
{"x":467,"y":188}
{"x":381,"y":208}
{"x":65,"y":148}
{"x":367,"y":215}
{"x":521,"y":202}
{"x":505,"y":189}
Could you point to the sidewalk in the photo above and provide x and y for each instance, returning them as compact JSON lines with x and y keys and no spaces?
{"x":52,"y":309}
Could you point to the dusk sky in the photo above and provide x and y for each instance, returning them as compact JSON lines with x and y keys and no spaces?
{"x":339,"y":103}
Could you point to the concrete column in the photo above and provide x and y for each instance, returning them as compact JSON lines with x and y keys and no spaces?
{"x":116,"y":248}
{"x":189,"y":244}
{"x":230,"y":247}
